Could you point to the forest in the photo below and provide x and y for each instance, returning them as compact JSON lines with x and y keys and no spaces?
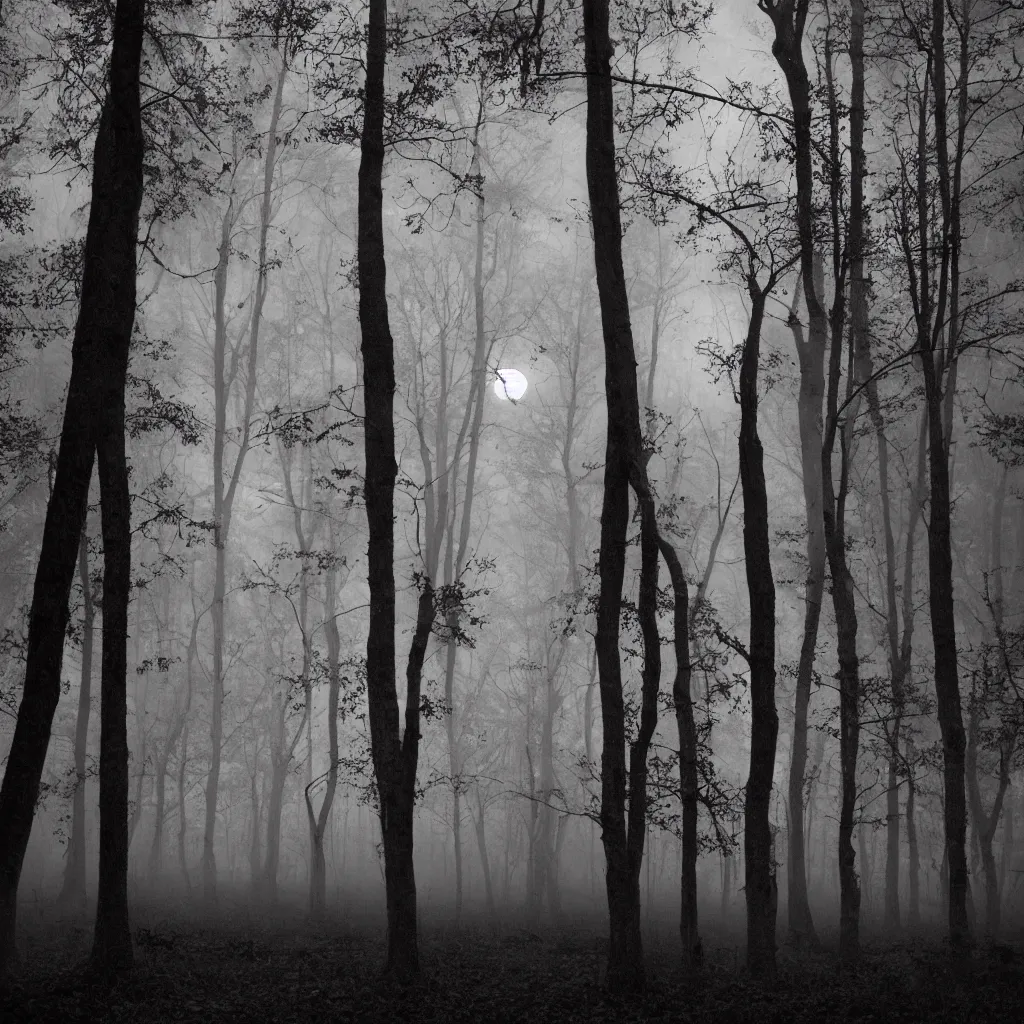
{"x":511,"y":510}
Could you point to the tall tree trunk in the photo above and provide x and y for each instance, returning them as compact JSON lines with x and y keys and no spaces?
{"x":112,"y":942}
{"x":485,"y":862}
{"x":1006,"y":853}
{"x":282,"y":751}
{"x":224,"y":491}
{"x":938,"y":360}
{"x":275,"y":805}
{"x":764,"y":725}
{"x":73,"y":889}
{"x":986,"y":823}
{"x":99,"y":361}
{"x":789,"y":19}
{"x":811,"y":355}
{"x":254,"y":835}
{"x":913,"y":851}
{"x":548,"y":822}
{"x":834,"y":505}
{"x":319,"y":822}
{"x":395,"y":754}
{"x":473,"y":421}
{"x":625,"y":467}
{"x":687,"y":731}
{"x":182,"y":815}
{"x":156,"y":850}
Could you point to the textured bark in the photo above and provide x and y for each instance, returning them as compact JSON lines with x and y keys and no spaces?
{"x":73,"y":888}
{"x":99,"y":356}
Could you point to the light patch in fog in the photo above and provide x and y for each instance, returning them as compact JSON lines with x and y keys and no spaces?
{"x":510,"y":384}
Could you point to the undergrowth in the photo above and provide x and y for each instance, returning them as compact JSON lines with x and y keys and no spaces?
{"x":288,"y":973}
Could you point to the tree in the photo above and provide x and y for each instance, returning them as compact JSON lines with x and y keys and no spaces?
{"x":395,"y":754}
{"x":73,"y":889}
{"x":827,"y":333}
{"x":226,"y":363}
{"x":625,"y":469}
{"x":94,"y":408}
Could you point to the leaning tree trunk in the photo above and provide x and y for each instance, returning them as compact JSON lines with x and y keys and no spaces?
{"x":73,"y":890}
{"x":99,"y":360}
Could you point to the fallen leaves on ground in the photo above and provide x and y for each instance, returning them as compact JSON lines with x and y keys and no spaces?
{"x":245,"y":972}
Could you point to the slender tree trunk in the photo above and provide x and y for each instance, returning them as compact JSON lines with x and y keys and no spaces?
{"x":764,"y":727}
{"x":812,"y":389}
{"x":1006,"y":853}
{"x":726,"y":884}
{"x":625,"y":467}
{"x":254,"y":837}
{"x":547,"y":822}
{"x":182,"y":815}
{"x":891,"y":911}
{"x":319,"y":822}
{"x":280,"y":759}
{"x":224,"y":490}
{"x":395,"y":755}
{"x":156,"y":850}
{"x":485,"y":862}
{"x":99,"y":358}
{"x":838,"y":425}
{"x":936,"y":360}
{"x":687,"y":731}
{"x":913,"y":851}
{"x":73,"y":890}
{"x":112,"y":942}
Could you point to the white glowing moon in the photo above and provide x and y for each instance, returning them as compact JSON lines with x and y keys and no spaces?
{"x":510,"y":384}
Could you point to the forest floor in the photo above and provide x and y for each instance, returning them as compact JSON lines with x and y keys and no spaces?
{"x":246,"y":970}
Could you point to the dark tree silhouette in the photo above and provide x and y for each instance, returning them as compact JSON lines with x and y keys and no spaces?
{"x":93,"y":410}
{"x":395,"y":754}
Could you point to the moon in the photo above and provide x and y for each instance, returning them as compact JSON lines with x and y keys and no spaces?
{"x":510,"y":384}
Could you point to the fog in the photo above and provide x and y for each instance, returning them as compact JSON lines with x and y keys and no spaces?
{"x":795,"y":394}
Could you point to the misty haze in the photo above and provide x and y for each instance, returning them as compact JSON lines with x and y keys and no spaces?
{"x":511,"y":510}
